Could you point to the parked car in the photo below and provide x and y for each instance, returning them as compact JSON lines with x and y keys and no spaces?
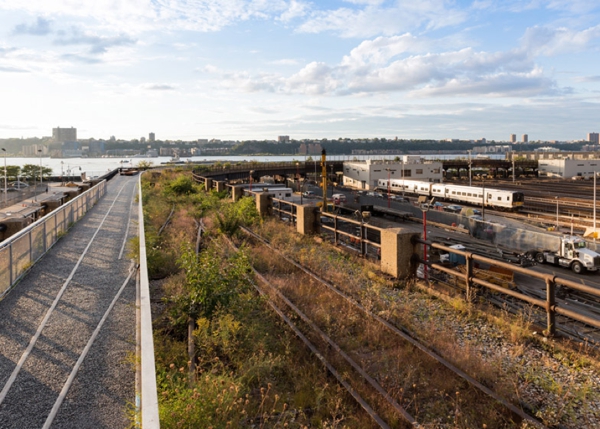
{"x":398,"y":198}
{"x":309,"y":194}
{"x":338,"y":198}
{"x":19,"y":185}
{"x":476,"y":217}
{"x":454,"y":208}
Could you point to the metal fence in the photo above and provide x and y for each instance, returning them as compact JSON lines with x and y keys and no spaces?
{"x":549,"y":304}
{"x":20,"y":251}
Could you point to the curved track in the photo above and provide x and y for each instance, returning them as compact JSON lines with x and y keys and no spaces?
{"x":67,"y":335}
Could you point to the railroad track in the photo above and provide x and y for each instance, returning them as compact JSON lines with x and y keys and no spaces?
{"x":387,"y":370}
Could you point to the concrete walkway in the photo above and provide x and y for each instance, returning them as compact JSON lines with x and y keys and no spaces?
{"x":67,"y":330}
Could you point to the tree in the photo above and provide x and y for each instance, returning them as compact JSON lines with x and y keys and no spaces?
{"x":210,"y":281}
{"x":32,"y":171}
{"x":12,"y":172}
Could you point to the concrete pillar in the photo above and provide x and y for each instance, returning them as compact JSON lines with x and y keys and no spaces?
{"x":220,"y":186}
{"x":307,"y":221}
{"x":208,"y":184}
{"x":397,"y":251}
{"x":264,"y":204}
{"x":237,"y":193}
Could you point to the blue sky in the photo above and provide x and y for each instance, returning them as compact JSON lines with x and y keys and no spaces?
{"x":256,"y":69}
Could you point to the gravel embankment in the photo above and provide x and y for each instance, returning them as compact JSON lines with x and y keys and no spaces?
{"x":559,"y":385}
{"x":104,"y":387}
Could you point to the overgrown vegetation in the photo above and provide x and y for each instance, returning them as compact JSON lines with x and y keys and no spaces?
{"x":223,"y":359}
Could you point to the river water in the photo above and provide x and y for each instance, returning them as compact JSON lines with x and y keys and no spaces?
{"x":99,"y":166}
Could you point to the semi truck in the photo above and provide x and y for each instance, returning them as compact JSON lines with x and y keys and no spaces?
{"x":572,"y":253}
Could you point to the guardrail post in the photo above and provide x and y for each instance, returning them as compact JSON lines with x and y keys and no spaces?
{"x":335,"y":231}
{"x":468,"y":277}
{"x":550,"y":306}
{"x":363,"y":245}
{"x":45,"y":236}
{"x":10,"y":263}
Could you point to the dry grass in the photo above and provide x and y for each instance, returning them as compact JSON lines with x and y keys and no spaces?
{"x":419,"y":382}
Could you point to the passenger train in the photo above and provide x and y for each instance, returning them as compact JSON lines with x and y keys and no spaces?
{"x":494,"y":198}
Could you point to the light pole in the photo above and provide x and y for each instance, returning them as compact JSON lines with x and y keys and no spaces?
{"x":402,"y":172}
{"x":390,"y":172}
{"x":424,"y":208}
{"x":556,"y":213}
{"x":595,"y":205}
{"x":40,"y":152}
{"x":469,"y":167}
{"x":5,"y":184}
{"x":483,"y":202}
{"x":513,"y":163}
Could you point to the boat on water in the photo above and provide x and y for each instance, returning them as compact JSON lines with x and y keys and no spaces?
{"x":174,"y":160}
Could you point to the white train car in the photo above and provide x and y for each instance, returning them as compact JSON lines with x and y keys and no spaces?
{"x":490,"y":197}
{"x":410,"y":186}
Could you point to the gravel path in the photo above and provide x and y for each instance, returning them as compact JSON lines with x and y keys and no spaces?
{"x":103,"y":389}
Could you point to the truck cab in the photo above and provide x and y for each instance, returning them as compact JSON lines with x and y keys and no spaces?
{"x":572,"y":253}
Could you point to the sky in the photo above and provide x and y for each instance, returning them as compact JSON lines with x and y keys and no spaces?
{"x":257,"y":69}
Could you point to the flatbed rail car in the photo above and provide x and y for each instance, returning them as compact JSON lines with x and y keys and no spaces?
{"x":498,"y":199}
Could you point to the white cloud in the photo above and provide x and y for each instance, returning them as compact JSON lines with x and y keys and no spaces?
{"x":40,"y":28}
{"x":295,"y":9}
{"x":374,"y":20}
{"x":554,"y":41}
{"x":386,"y":64}
{"x":159,"y":87}
{"x":382,"y":49}
{"x":135,"y":16}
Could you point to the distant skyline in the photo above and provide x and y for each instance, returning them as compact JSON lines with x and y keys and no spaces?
{"x":256,"y":69}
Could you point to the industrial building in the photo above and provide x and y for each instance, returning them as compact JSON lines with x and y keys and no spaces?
{"x":365,"y":174}
{"x":568,"y":168}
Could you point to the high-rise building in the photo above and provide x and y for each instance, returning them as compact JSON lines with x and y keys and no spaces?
{"x":513,"y":138}
{"x":525,"y":138}
{"x":61,"y":135}
{"x":151,"y":137}
{"x":593,"y":138}
{"x":283,"y":139}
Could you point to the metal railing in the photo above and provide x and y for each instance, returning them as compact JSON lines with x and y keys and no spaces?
{"x":146,"y":396}
{"x":22,"y":250}
{"x":549,"y":304}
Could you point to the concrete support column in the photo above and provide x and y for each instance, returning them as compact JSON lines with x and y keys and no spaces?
{"x":307,"y":219}
{"x":220,"y":186}
{"x":208,"y":184}
{"x":237,"y":193}
{"x":397,"y":251}
{"x":264,"y":204}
